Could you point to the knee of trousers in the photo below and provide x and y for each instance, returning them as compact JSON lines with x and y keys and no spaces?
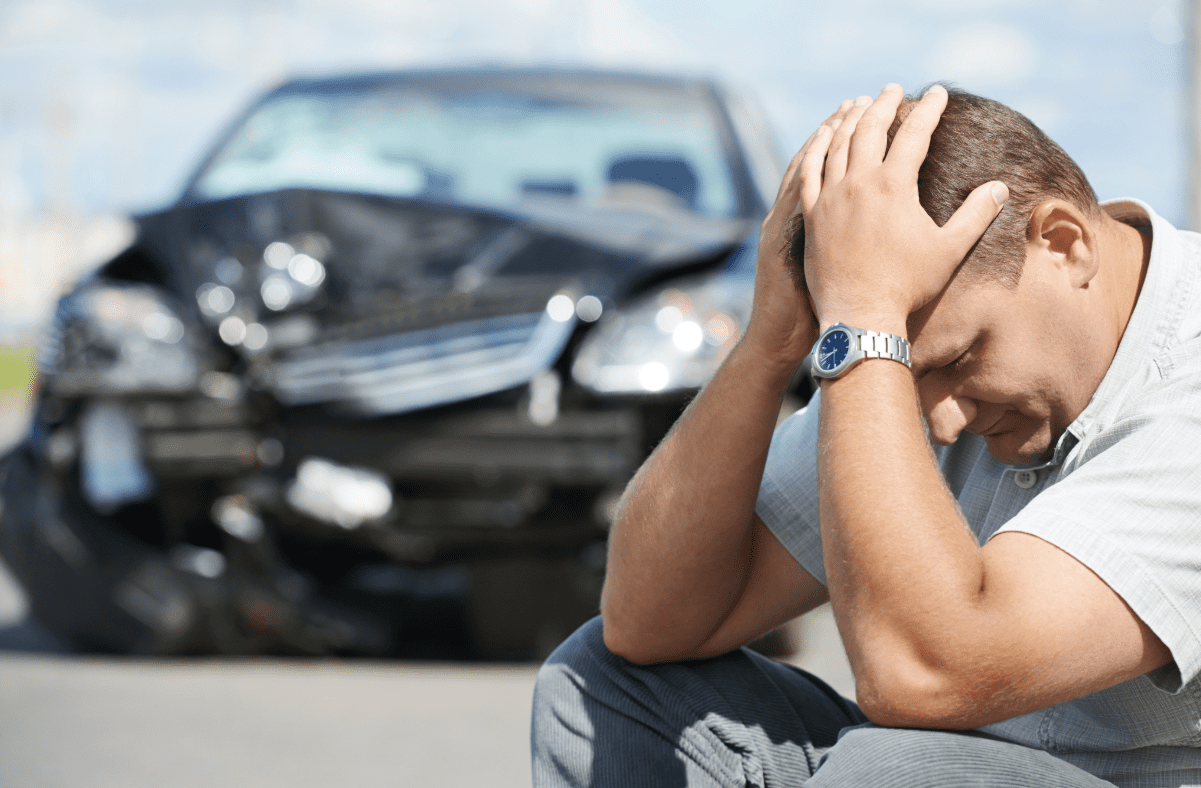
{"x":584,"y":691}
{"x":909,"y":758}
{"x":560,"y":677}
{"x":561,"y":726}
{"x":886,"y":757}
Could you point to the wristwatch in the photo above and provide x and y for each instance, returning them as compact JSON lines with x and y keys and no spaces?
{"x":841,"y":347}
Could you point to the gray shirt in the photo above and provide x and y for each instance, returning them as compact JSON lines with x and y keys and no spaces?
{"x":1121,"y":494}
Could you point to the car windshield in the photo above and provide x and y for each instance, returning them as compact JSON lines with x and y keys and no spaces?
{"x":480,"y":144}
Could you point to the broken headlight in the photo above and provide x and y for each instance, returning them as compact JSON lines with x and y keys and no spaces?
{"x":109,"y":338}
{"x":673,"y":339}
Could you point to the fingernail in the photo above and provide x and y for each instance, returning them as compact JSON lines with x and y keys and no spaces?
{"x":890,"y":86}
{"x":934,"y":89}
{"x":859,"y":102}
{"x":834,"y":124}
{"x":1000,"y":193}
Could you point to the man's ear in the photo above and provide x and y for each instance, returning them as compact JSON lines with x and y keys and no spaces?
{"x":1062,"y":234}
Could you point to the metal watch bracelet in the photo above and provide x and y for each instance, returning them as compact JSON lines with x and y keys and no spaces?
{"x":876,"y":344}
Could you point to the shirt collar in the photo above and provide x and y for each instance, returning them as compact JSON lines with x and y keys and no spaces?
{"x":1152,"y":324}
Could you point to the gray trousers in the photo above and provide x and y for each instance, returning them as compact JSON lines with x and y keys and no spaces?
{"x":744,"y":720}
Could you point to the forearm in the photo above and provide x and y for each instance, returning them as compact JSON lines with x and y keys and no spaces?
{"x":906,"y":576}
{"x":681,"y":547}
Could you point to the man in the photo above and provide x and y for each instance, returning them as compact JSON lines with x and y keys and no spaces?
{"x":1019,"y":605}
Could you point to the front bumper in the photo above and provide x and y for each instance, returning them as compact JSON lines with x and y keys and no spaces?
{"x":102,"y":589}
{"x":474,"y":479}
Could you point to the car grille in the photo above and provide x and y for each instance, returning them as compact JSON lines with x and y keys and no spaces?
{"x":198,"y":437}
{"x":421,"y":369}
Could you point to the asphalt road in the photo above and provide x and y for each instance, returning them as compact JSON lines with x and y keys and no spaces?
{"x":67,"y":720}
{"x":135,"y":724}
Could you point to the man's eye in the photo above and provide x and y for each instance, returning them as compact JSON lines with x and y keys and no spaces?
{"x":959,"y":362}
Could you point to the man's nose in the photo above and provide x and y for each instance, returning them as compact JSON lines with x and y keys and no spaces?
{"x":948,"y":416}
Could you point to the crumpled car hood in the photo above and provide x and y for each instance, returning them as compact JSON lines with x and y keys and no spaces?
{"x":422,"y":302}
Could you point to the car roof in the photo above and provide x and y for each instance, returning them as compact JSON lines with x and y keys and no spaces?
{"x":529,"y":75}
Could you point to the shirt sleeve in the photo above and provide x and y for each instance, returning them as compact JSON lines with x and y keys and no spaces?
{"x":787,"y":501}
{"x":1132,"y":515}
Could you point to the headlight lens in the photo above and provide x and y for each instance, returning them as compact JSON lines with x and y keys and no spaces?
{"x":672,"y":340}
{"x":118,"y":339}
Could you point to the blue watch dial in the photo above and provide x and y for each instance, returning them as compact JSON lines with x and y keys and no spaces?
{"x":833,"y":350}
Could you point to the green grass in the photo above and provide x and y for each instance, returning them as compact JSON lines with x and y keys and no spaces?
{"x":17,"y":369}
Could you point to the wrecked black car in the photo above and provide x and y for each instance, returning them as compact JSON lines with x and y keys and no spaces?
{"x":386,"y":366}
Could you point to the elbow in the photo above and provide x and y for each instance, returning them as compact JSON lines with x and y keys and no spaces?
{"x":892,"y":706}
{"x":646,"y":640}
{"x":915,"y":695}
{"x":624,"y":637}
{"x":629,"y":649}
{"x":630,"y":643}
{"x":648,"y":634}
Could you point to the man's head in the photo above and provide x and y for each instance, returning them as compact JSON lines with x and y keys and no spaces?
{"x":980,"y":140}
{"x":1017,"y":343}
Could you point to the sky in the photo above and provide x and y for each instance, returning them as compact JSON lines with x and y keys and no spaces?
{"x":105,"y":105}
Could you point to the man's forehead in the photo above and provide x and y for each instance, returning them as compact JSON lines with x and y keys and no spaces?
{"x":946,"y":325}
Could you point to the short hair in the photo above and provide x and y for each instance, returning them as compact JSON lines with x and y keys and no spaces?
{"x":980,"y":140}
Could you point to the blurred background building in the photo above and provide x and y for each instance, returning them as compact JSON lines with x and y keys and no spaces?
{"x":106,"y":104}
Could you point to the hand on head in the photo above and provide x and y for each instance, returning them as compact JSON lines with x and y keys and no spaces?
{"x":872,"y":254}
{"x":783,"y":316}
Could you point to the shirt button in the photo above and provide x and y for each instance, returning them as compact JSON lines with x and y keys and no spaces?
{"x":1025,"y":479}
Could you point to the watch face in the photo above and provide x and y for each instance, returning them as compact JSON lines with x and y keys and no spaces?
{"x":833,"y":350}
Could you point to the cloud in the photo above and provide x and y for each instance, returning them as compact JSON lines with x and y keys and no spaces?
{"x":985,"y":56}
{"x":1165,"y":26}
{"x":621,"y":33}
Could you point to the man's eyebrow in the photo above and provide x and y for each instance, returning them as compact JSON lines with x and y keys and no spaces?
{"x":925,"y":365}
{"x":921,"y":370}
{"x":941,"y":359}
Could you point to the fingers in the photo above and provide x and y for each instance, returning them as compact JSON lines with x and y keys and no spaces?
{"x":871,"y":137}
{"x":810,"y":172}
{"x":836,"y":158}
{"x":841,"y":112}
{"x":788,"y":197}
{"x":789,"y":183}
{"x":912,"y":140}
{"x":972,"y":218}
